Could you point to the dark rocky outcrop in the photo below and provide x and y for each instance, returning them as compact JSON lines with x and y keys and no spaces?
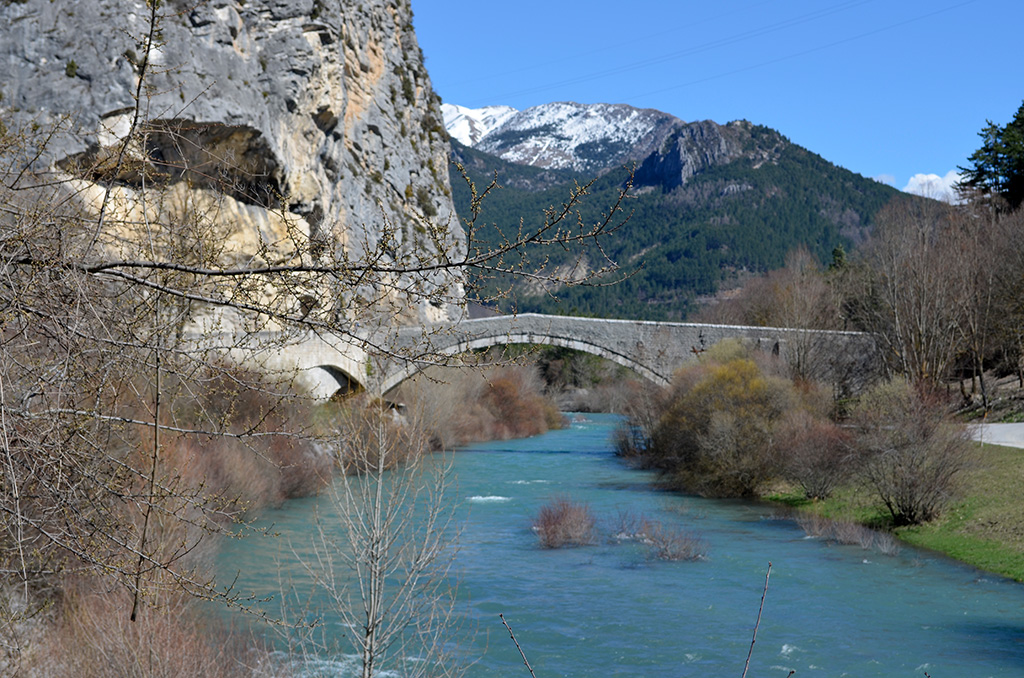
{"x":696,"y":147}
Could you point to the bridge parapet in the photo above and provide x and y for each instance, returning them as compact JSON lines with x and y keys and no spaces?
{"x":655,"y":350}
{"x":324,"y":363}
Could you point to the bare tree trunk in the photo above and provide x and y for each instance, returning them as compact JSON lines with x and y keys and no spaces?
{"x":384,"y":569}
{"x":917,"y":299}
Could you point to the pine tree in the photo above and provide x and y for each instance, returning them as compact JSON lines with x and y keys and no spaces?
{"x":997,"y":168}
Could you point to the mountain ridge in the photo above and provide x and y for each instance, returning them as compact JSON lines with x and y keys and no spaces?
{"x":709,"y":203}
{"x":470,"y":125}
{"x":587,"y":138}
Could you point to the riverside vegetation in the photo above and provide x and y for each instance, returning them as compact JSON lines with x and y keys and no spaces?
{"x":564,"y":522}
{"x":893,"y":455}
{"x":898,"y":464}
{"x":78,"y":626}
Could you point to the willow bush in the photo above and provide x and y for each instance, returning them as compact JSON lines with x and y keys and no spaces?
{"x":716,"y":436}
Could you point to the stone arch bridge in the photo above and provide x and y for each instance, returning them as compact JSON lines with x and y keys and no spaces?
{"x":654,"y":350}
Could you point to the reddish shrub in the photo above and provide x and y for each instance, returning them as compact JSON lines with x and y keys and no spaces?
{"x":663,"y":542}
{"x":488,"y":403}
{"x":94,"y":638}
{"x":563,"y":522}
{"x":672,"y":543}
{"x":514,"y":396}
{"x":817,"y":453}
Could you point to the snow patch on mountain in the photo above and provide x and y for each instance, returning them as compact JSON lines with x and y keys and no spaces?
{"x":470,"y":125}
{"x":567,"y":135}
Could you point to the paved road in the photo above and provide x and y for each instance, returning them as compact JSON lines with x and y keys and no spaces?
{"x":1011,"y":435}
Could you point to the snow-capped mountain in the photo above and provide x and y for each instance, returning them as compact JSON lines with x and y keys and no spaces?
{"x":707,"y":201}
{"x":566,"y":135}
{"x":470,"y":125}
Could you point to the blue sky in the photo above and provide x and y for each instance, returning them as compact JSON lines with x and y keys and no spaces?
{"x":886,"y":88}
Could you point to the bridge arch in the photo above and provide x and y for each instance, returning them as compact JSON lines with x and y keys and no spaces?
{"x":346,"y":383}
{"x":326,"y":381}
{"x":504,"y":339}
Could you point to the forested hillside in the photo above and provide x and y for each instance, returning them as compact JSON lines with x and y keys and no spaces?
{"x":686,"y":234}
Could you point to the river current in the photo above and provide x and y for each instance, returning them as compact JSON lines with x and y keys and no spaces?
{"x":608,"y":609}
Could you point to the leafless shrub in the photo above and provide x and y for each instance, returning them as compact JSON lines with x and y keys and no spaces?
{"x":373,"y":437}
{"x":672,"y":543}
{"x":231,"y":466}
{"x":813,"y":524}
{"x":847,"y":532}
{"x":662,"y":542}
{"x":630,"y":443}
{"x":563,"y":522}
{"x":912,"y":456}
{"x":385,"y":572}
{"x":495,"y":402}
{"x":93,"y":638}
{"x":645,"y":403}
{"x":817,"y":453}
{"x":887,"y":544}
{"x":444,"y":400}
{"x":628,"y":526}
{"x":515,"y":395}
{"x":852,"y":534}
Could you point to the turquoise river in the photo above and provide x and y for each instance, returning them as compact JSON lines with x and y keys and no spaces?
{"x":609,"y":610}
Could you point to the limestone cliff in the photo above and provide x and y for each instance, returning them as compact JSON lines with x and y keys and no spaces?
{"x":301,"y":119}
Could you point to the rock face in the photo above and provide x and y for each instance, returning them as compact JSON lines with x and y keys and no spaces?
{"x":595,"y":138}
{"x":318,"y":110}
{"x":583,"y":137}
{"x":699,"y":146}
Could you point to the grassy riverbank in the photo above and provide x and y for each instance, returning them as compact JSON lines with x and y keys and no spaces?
{"x":984,"y":529}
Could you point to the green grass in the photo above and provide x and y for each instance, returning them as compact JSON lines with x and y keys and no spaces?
{"x":847,"y":503}
{"x":986,"y":554}
{"x":984,"y":529}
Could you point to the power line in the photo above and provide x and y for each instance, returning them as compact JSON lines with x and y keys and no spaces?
{"x":801,"y":53}
{"x":704,"y":47}
{"x":716,"y":44}
{"x":646,"y":39}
